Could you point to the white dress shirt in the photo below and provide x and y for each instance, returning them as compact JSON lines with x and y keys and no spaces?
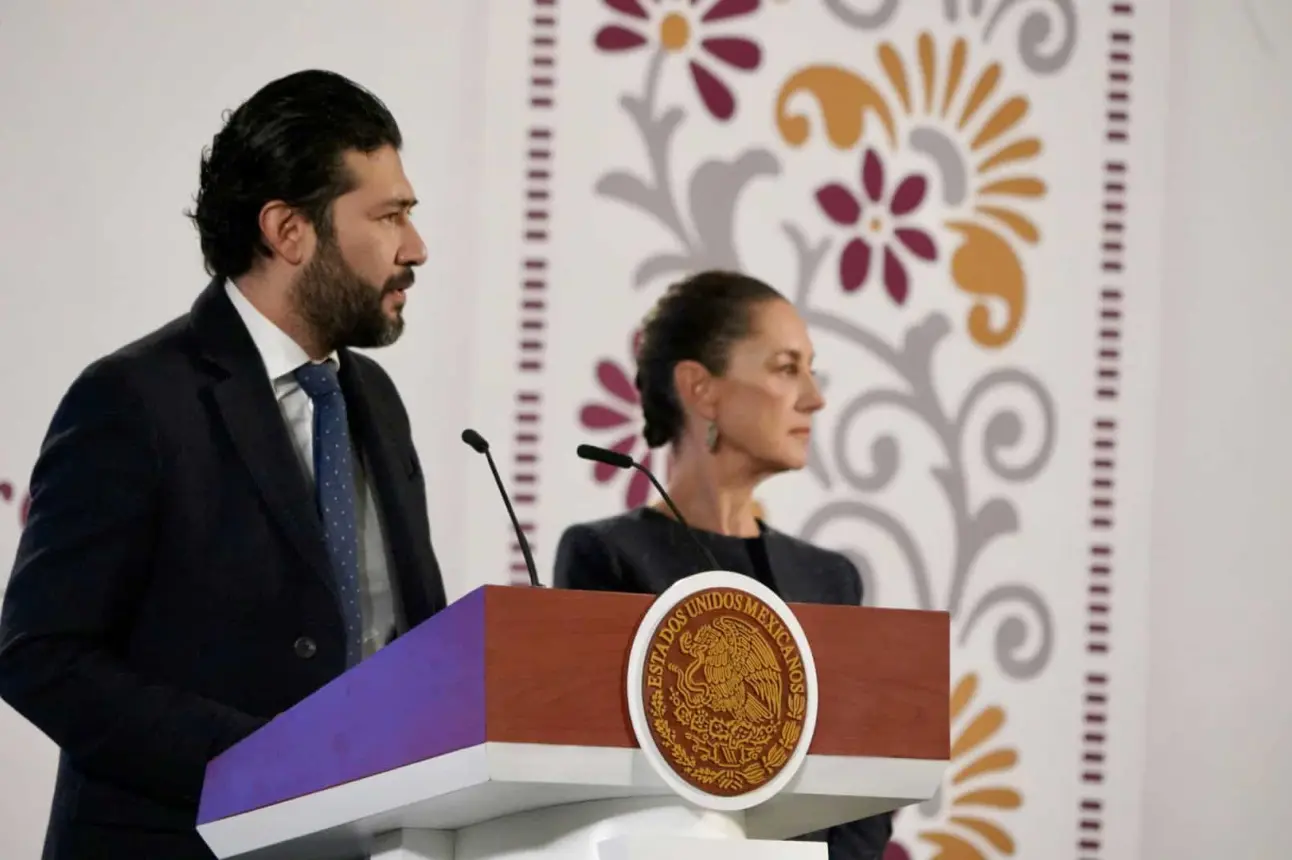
{"x":282,"y":356}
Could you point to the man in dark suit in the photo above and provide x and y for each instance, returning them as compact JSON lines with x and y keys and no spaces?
{"x":229,"y":512}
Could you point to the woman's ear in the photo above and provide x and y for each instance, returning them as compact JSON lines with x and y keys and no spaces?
{"x":696,"y":389}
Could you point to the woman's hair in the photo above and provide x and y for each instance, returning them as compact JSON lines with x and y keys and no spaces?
{"x":697,"y":319}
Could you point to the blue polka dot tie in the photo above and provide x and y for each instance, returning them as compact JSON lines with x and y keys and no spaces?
{"x":335,"y":493}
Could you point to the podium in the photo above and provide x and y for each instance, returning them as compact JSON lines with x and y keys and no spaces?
{"x":500,"y":728}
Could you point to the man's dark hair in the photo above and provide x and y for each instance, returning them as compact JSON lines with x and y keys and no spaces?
{"x":698,"y":319}
{"x":287,"y":142}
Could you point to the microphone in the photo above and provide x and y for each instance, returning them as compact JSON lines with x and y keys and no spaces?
{"x":623,"y":461}
{"x":476,"y":441}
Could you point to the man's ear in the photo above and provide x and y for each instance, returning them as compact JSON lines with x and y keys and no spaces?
{"x":696,"y":389}
{"x":286,"y":231}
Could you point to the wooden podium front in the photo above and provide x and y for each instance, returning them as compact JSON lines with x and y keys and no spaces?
{"x":473,"y":734}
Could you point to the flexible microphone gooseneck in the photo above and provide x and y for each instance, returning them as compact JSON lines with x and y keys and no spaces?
{"x":623,"y":461}
{"x":476,"y":441}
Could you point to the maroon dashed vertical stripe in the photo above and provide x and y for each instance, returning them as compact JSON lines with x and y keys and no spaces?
{"x":533,"y":276}
{"x":1107,"y":391}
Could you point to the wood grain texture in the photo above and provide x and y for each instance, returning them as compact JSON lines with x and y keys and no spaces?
{"x":556,"y":664}
{"x":885,"y":680}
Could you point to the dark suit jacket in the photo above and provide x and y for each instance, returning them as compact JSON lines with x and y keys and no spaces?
{"x":172,"y":590}
{"x":645,"y":552}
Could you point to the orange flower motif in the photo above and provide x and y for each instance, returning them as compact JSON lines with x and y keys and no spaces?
{"x":972,"y":828}
{"x":976,"y":132}
{"x":672,"y":25}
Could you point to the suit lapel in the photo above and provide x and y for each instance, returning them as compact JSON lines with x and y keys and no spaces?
{"x":245,"y":401}
{"x":390,"y":472}
{"x":251,"y":416}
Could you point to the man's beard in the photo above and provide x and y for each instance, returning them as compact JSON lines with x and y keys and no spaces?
{"x":340,"y":307}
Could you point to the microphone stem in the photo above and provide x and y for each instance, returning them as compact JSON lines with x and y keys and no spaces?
{"x":663,"y":494}
{"x":520,"y":535}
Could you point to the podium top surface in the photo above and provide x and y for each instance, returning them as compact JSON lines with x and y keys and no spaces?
{"x":539,"y":666}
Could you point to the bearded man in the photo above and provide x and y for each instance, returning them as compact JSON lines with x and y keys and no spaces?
{"x":229,"y":512}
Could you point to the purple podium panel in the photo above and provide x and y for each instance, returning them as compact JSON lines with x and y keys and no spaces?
{"x":420,"y":697}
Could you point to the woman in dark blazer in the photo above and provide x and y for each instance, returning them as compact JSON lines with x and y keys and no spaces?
{"x":724,"y":369}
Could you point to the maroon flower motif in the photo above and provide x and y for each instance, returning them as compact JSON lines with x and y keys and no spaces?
{"x":8,"y":494}
{"x":673,"y":31}
{"x":896,"y":851}
{"x":622,"y":416}
{"x":886,"y":227}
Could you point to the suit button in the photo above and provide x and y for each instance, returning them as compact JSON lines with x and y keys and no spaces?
{"x":305,"y":647}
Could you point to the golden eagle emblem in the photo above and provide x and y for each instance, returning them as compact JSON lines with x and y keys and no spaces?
{"x":734,"y":671}
{"x":725,"y":692}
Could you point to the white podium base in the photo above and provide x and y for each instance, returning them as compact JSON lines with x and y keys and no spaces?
{"x":488,"y":784}
{"x":414,"y":845}
{"x":632,"y":829}
{"x":642,"y":847}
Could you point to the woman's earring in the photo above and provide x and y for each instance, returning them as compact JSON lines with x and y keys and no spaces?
{"x":711,"y":437}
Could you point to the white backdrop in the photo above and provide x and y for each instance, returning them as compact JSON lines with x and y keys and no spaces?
{"x":512,"y":119}
{"x":107,"y":108}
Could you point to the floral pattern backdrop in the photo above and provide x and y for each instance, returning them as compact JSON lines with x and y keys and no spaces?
{"x":928,"y":182}
{"x":9,"y":495}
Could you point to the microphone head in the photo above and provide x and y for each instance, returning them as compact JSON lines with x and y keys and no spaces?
{"x":602,"y":455}
{"x":475,"y":440}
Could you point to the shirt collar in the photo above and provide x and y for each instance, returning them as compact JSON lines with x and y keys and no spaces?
{"x":280,"y":354}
